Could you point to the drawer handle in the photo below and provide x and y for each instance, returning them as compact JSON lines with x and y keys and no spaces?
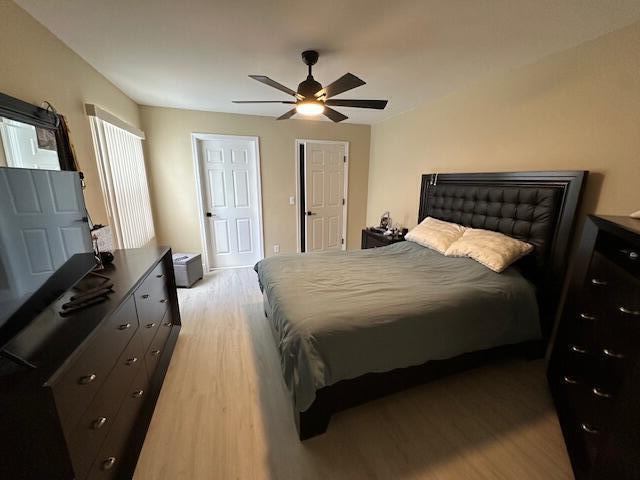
{"x":598,"y":282}
{"x":598,"y":392}
{"x":160,"y":275}
{"x":634,"y":255}
{"x":131,"y":361}
{"x":137,"y":393}
{"x":145,"y":296}
{"x":628,"y":311}
{"x":155,"y":353}
{"x":109,"y":463}
{"x":124,"y":326}
{"x":589,"y":429}
{"x":586,"y":316}
{"x":570,"y":380}
{"x":612,"y":354}
{"x":87,"y":379}
{"x":99,"y":423}
{"x":150,"y":325}
{"x":164,"y":300}
{"x":168,"y":324}
{"x":578,"y":349}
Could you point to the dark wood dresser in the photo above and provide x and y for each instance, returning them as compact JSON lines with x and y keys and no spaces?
{"x":83,"y":408}
{"x":594,"y":357}
{"x":373,"y":239}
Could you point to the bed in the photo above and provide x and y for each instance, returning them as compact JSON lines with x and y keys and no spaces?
{"x":352,"y":326}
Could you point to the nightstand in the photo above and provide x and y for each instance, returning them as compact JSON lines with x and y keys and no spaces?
{"x":372,"y":239}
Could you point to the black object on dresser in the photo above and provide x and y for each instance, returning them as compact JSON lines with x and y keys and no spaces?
{"x":594,"y":363}
{"x":82,"y":410}
{"x":373,"y":239}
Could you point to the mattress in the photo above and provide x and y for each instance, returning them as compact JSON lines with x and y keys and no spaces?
{"x":338,"y":315}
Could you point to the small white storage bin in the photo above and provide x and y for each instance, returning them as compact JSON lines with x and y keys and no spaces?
{"x":187,"y":268}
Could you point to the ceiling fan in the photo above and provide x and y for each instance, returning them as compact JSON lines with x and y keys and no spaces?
{"x":311,"y":98}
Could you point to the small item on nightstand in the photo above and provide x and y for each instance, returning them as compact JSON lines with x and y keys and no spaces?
{"x":396,"y":231}
{"x":385,"y":221}
{"x":635,"y":214}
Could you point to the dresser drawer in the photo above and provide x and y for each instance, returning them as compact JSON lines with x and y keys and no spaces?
{"x":152,"y":301}
{"x":620,"y":251}
{"x":155,"y":282}
{"x":618,"y":307}
{"x":108,"y":461}
{"x":74,"y":389}
{"x":157,"y":345}
{"x":96,"y":422}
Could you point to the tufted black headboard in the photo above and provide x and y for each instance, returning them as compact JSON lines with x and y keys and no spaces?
{"x":536,"y":207}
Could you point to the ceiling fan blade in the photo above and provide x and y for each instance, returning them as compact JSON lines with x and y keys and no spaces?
{"x":262,"y":101}
{"x":274,"y":84}
{"x":288,"y":114}
{"x":346,"y":82}
{"x":334,"y":115}
{"x":377,"y":104}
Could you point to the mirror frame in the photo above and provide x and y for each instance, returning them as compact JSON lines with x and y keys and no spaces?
{"x":21,"y":111}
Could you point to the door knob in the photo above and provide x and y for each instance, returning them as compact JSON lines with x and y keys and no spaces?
{"x":310,"y":213}
{"x":209,"y":214}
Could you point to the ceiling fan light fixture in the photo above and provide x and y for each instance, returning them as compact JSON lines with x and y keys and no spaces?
{"x":312,"y":99}
{"x":310,"y":108}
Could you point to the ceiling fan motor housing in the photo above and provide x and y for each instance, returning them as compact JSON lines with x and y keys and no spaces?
{"x":309,"y":87}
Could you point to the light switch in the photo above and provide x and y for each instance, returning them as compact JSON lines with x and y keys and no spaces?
{"x":292,"y":200}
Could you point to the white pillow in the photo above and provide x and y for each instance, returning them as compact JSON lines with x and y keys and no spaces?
{"x":435,"y":234}
{"x":492,"y":249}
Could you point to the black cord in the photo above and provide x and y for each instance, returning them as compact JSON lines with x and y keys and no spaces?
{"x":51,"y":109}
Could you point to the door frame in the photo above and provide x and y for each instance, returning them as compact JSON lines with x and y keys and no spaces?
{"x":299,"y":201}
{"x":200,"y":189}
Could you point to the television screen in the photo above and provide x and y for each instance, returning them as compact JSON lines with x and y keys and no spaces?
{"x":43,"y":224}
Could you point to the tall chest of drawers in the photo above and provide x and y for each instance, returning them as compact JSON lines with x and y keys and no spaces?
{"x":594,"y":357}
{"x":83,"y":409}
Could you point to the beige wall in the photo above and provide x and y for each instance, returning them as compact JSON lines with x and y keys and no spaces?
{"x":36,"y":66}
{"x":579,"y":109}
{"x":172,"y":177}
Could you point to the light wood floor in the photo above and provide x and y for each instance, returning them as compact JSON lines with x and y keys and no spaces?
{"x":224,"y":412}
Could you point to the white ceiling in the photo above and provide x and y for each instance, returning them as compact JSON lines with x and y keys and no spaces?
{"x":197,"y":54}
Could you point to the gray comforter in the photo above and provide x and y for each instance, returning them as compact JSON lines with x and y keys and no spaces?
{"x":339,"y":315}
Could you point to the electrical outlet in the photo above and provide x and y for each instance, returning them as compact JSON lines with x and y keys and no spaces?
{"x":276,"y":248}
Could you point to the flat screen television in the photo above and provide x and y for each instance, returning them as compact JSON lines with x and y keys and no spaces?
{"x":45,"y":242}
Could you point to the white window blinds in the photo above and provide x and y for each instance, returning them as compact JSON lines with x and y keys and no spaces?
{"x":124,"y":181}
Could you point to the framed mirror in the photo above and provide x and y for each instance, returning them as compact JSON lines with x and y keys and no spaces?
{"x":33,"y":137}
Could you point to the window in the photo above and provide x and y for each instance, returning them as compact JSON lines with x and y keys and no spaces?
{"x":123,"y":178}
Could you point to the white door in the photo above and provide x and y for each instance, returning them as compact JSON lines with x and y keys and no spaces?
{"x":21,"y":146}
{"x":42,"y":224}
{"x":231,"y":201}
{"x":324,"y":196}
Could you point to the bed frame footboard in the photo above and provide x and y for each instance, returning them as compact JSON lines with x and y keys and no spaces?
{"x":350,"y":393}
{"x":312,"y":422}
